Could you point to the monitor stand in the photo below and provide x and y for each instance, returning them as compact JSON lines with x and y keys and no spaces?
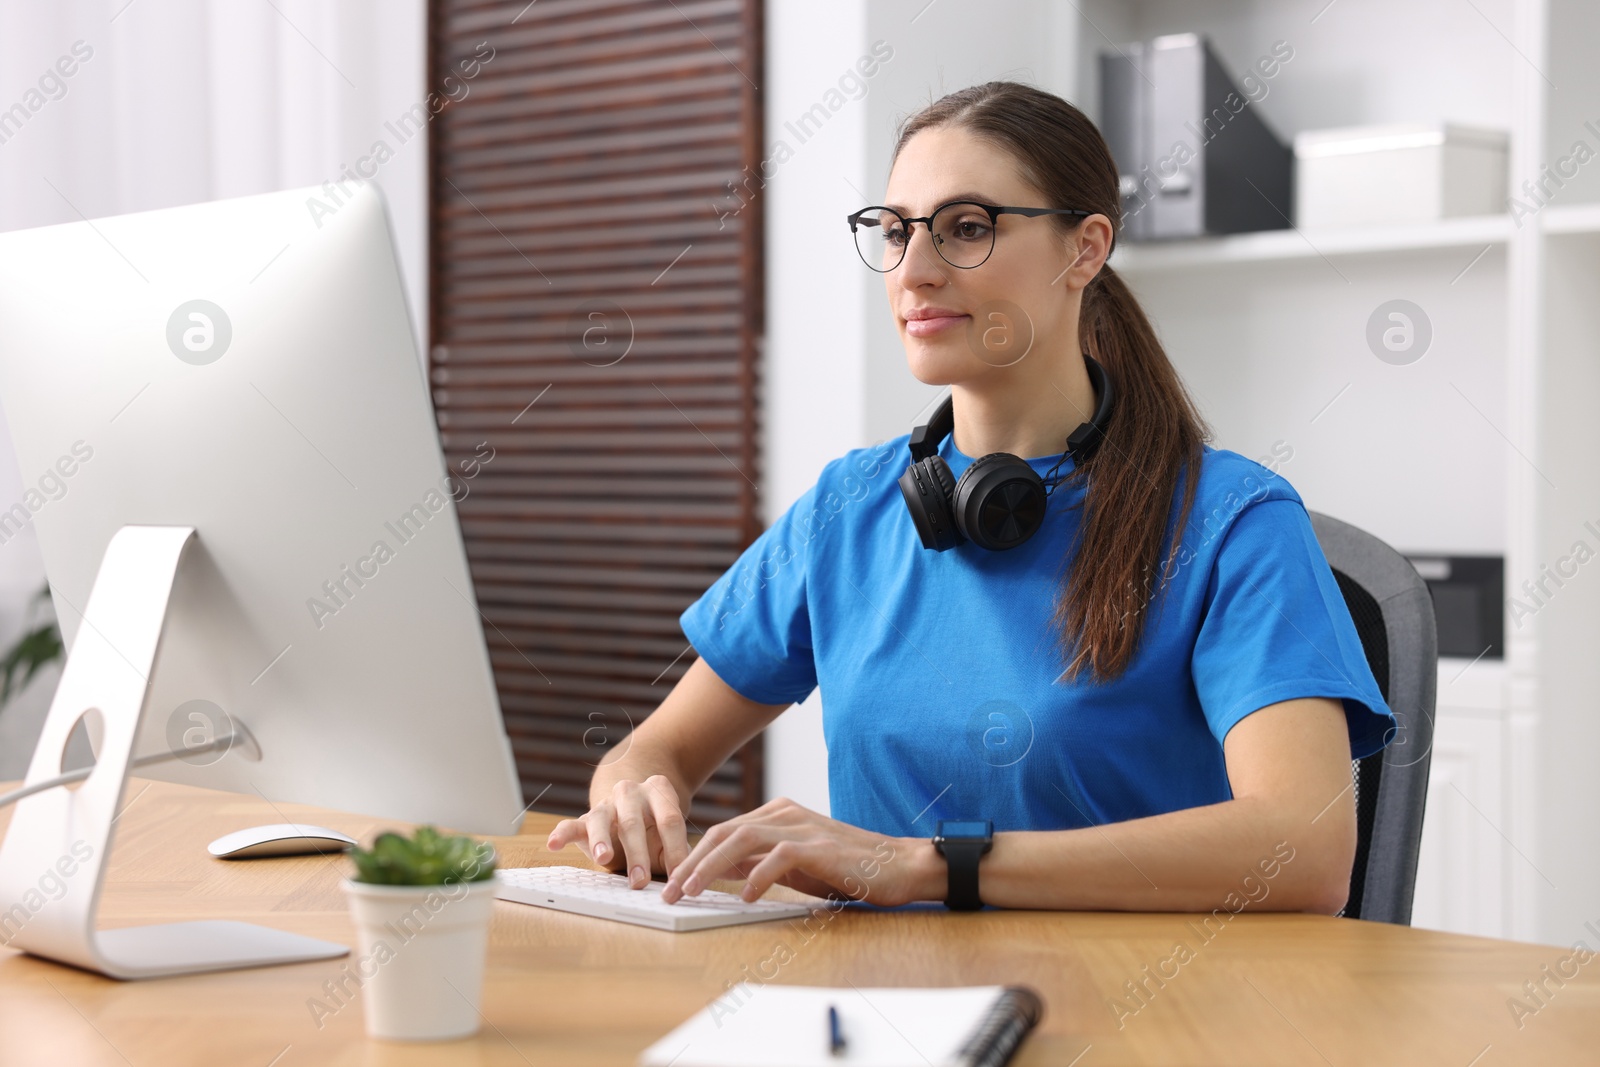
{"x":63,"y":836}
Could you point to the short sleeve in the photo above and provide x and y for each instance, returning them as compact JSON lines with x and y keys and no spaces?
{"x":753,"y":626}
{"x":1276,"y":628}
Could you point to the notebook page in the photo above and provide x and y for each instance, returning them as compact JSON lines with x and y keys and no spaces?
{"x":756,"y":1025}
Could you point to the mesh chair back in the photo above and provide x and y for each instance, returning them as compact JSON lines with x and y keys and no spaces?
{"x":1393,"y":613}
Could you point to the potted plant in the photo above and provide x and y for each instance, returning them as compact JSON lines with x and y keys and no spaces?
{"x":421,"y":906}
{"x":38,"y":647}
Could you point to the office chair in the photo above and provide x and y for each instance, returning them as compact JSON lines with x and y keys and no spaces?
{"x":1393,"y":613}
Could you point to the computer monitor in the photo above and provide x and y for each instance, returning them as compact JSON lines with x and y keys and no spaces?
{"x":247,"y":368}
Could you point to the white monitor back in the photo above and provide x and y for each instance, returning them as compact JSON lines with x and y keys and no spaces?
{"x":290,"y":423}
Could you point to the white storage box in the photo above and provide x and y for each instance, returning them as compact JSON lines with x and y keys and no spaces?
{"x":1399,"y":173}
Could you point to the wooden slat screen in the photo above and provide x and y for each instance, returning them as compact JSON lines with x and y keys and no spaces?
{"x":596,"y":313}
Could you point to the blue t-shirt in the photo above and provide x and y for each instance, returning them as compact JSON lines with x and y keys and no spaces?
{"x":942,"y":682}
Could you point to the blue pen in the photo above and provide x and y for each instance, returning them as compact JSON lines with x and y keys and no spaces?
{"x":836,"y":1041}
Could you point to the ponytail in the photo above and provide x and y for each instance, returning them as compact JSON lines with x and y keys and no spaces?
{"x":1123,"y":558}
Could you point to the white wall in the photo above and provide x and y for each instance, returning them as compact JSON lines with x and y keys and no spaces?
{"x":183,"y":101}
{"x":816,"y":307}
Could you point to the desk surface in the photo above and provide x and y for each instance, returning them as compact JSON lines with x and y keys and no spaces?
{"x":567,"y":991}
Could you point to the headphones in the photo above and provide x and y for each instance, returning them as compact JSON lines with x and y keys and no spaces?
{"x":1000,"y":500}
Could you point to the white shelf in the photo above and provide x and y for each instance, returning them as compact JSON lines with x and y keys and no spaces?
{"x":1573,"y":218}
{"x":1269,"y":246}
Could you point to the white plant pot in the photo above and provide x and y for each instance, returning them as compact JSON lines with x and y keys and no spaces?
{"x":422,"y":957}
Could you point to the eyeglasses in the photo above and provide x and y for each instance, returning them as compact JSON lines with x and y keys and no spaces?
{"x":963,"y":232}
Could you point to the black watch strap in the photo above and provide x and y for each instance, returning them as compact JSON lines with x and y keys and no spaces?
{"x":962,"y":848}
{"x":962,"y":859}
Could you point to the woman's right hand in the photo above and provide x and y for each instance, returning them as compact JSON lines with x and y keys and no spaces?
{"x":637,"y":829}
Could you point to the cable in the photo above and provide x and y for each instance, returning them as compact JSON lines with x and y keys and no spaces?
{"x":225,"y":742}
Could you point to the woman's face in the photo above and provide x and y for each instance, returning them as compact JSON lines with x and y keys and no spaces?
{"x":1015,"y":305}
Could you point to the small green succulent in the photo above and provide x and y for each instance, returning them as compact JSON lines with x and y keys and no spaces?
{"x":426,"y":858}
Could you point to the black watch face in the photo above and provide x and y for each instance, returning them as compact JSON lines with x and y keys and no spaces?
{"x":966,"y":828}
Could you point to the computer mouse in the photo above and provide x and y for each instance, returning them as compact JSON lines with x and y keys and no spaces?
{"x":279,"y":839}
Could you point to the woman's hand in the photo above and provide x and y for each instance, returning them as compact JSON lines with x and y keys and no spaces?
{"x":784,"y":843}
{"x":644,"y":818}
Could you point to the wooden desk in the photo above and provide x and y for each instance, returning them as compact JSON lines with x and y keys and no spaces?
{"x":563,"y":990}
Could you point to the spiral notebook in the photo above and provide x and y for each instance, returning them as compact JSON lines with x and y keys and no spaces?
{"x":764,"y":1025}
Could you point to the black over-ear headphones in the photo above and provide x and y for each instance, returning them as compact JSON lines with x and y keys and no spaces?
{"x":1000,"y":500}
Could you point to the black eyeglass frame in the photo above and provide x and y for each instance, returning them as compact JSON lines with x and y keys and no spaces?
{"x":994,"y":212}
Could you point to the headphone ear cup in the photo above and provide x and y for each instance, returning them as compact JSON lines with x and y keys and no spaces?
{"x":927,"y":485}
{"x":999,"y":502}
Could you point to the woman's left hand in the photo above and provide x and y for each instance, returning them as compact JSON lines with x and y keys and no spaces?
{"x":784,"y":843}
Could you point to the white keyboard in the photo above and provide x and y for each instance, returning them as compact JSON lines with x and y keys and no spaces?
{"x":607,"y":896}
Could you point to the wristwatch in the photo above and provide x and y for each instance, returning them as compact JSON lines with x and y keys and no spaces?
{"x":963,"y":843}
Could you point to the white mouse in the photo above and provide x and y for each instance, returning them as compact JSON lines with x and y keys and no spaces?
{"x":279,"y":839}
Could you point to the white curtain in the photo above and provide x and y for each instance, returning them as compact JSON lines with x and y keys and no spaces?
{"x":111,"y":106}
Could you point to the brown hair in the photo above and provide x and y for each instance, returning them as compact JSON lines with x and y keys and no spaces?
{"x":1155,"y":429}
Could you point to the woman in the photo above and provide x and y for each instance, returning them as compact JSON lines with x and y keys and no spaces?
{"x":1153,"y":699}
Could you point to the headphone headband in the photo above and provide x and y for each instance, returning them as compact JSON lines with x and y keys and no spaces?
{"x":925,"y":438}
{"x":1081,"y":443}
